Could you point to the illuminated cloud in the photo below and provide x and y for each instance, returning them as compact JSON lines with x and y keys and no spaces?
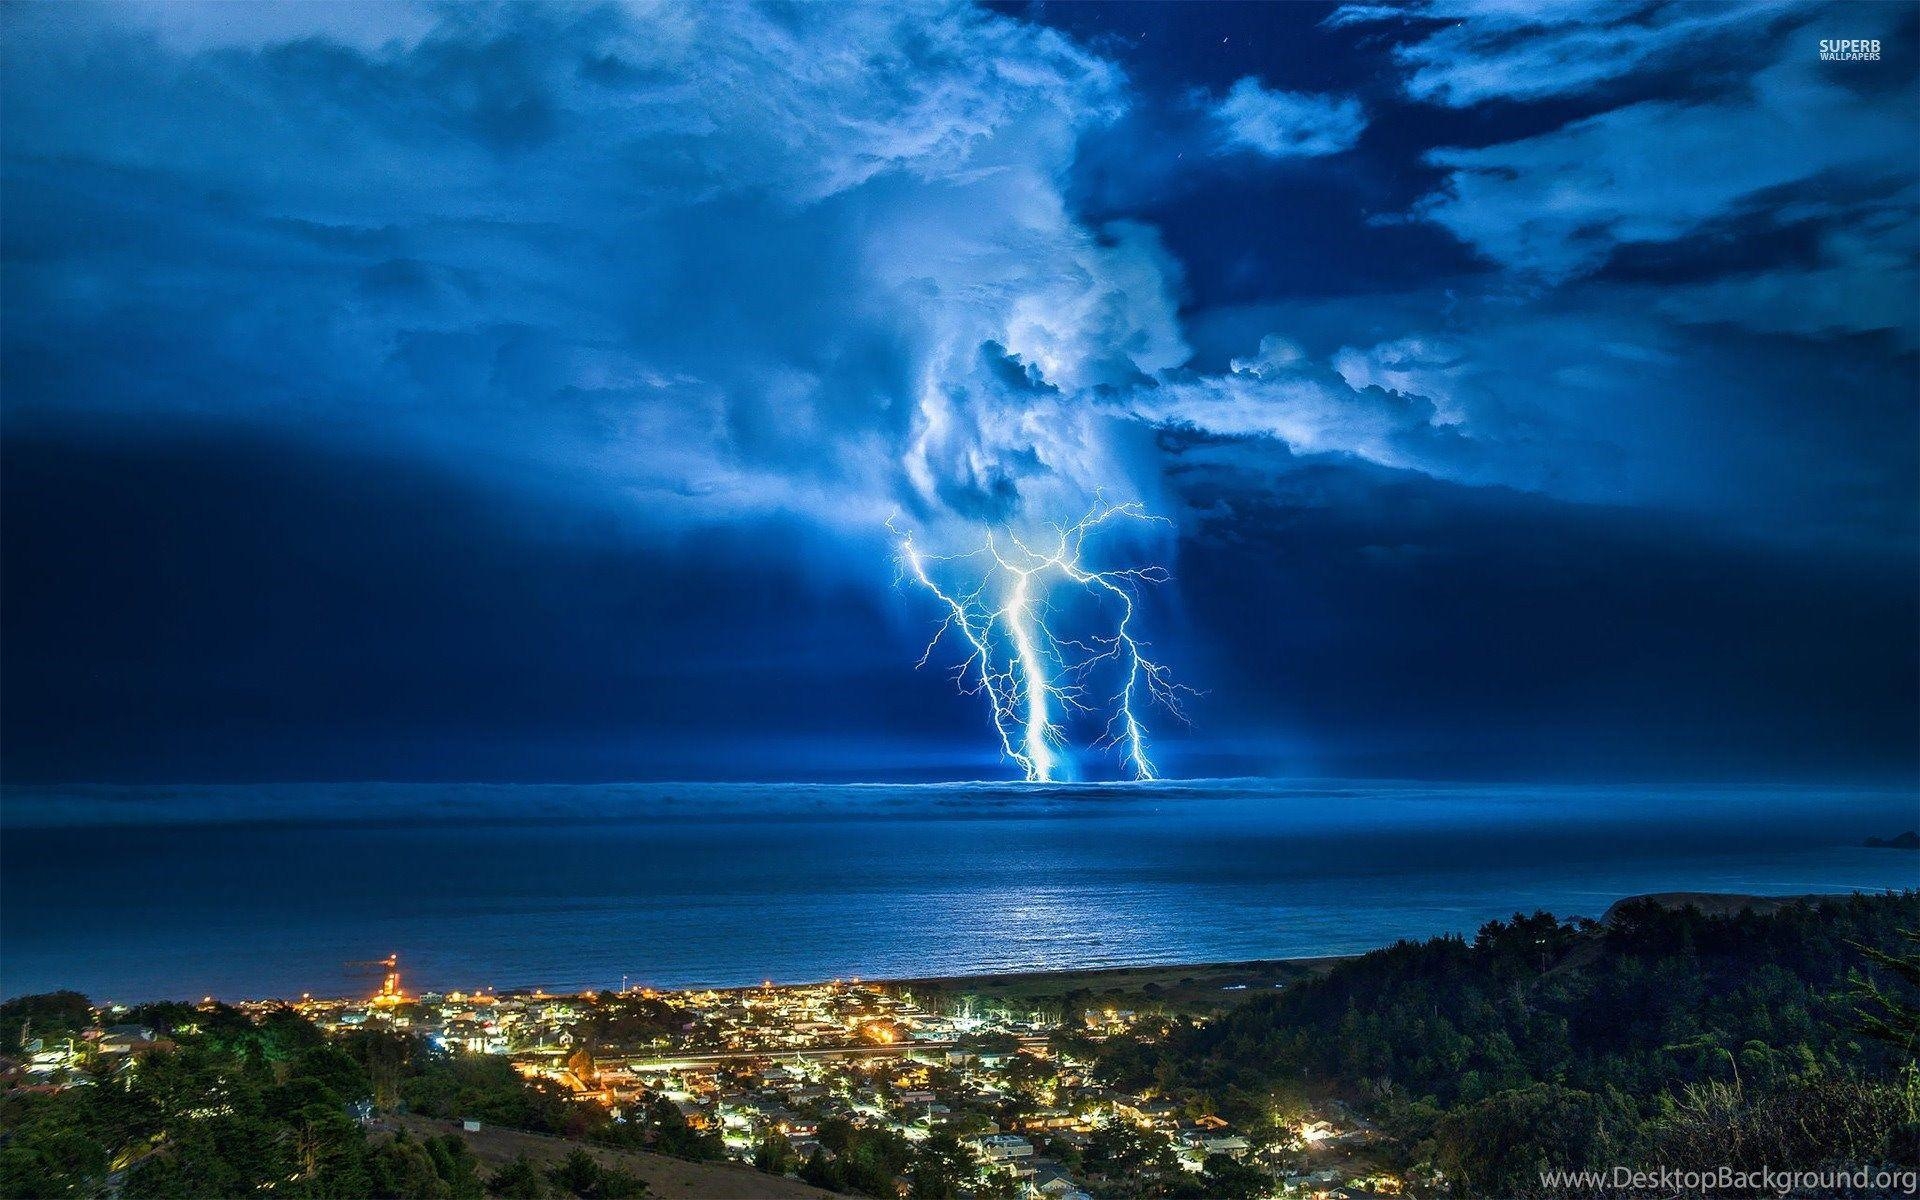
{"x":632,"y":252}
{"x":1278,"y":393}
{"x":1777,"y":142}
{"x":1280,"y":124}
{"x":1483,"y":50}
{"x":630,"y":249}
{"x":1562,"y":203}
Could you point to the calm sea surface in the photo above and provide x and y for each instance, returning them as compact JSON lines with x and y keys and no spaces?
{"x":243,"y":892}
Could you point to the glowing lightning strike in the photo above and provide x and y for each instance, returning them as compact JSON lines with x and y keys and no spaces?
{"x":960,"y":617}
{"x":1028,"y":674}
{"x":1041,"y":734}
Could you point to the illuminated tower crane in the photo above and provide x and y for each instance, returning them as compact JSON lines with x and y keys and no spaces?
{"x":388,"y":969}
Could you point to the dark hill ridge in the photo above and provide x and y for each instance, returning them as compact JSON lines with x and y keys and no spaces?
{"x":1716,"y":904}
{"x":1910,"y":840}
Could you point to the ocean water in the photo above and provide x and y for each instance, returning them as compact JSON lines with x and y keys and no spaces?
{"x":137,"y":893}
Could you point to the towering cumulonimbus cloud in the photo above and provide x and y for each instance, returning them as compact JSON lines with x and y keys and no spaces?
{"x":709,"y":262}
{"x":842,"y":291}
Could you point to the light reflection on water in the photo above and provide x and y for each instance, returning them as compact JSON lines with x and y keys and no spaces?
{"x":250,"y":891}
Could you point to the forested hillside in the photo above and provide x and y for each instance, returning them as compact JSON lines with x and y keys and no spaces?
{"x":1664,"y":1036}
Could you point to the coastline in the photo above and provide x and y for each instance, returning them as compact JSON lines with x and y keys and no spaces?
{"x":1223,"y":984}
{"x":1182,"y":987}
{"x":1191,"y":987}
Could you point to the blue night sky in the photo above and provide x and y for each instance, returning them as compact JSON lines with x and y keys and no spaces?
{"x":475,"y":392}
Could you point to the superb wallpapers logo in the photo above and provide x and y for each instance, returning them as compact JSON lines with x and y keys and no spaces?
{"x":1850,"y":50}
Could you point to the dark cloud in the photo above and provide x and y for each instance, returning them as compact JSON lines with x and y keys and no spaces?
{"x":1359,"y":623}
{"x":200,"y":605}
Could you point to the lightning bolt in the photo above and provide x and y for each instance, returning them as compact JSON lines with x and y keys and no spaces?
{"x":962,"y":616}
{"x":1031,"y":676}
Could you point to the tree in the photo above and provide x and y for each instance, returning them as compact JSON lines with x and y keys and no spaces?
{"x":1885,"y":1014}
{"x":582,"y":1065}
{"x":457,"y":1165}
{"x":578,"y":1175}
{"x":1813,"y":1123}
{"x":46,"y":1016}
{"x":1001,"y":1185}
{"x":987,"y":1042}
{"x":774,"y":1153}
{"x":821,"y":1173}
{"x":1123,"y":1155}
{"x":941,"y":1167}
{"x":1227,"y":1178}
{"x":1500,"y":1146}
{"x":385,"y":1057}
{"x":667,"y":1132}
{"x":518,"y":1180}
{"x":54,"y":1160}
{"x":403,"y":1169}
{"x":487,"y":1088}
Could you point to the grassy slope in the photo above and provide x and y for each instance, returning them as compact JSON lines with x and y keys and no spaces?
{"x":669,"y":1178}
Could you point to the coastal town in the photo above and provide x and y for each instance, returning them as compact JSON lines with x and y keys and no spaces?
{"x":1446,"y":1068}
{"x":781,"y":1077}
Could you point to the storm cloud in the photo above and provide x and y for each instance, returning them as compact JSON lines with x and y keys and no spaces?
{"x":627,"y":248}
{"x":716,"y":291}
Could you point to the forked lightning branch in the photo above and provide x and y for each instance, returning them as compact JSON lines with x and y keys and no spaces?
{"x":1048,"y":640}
